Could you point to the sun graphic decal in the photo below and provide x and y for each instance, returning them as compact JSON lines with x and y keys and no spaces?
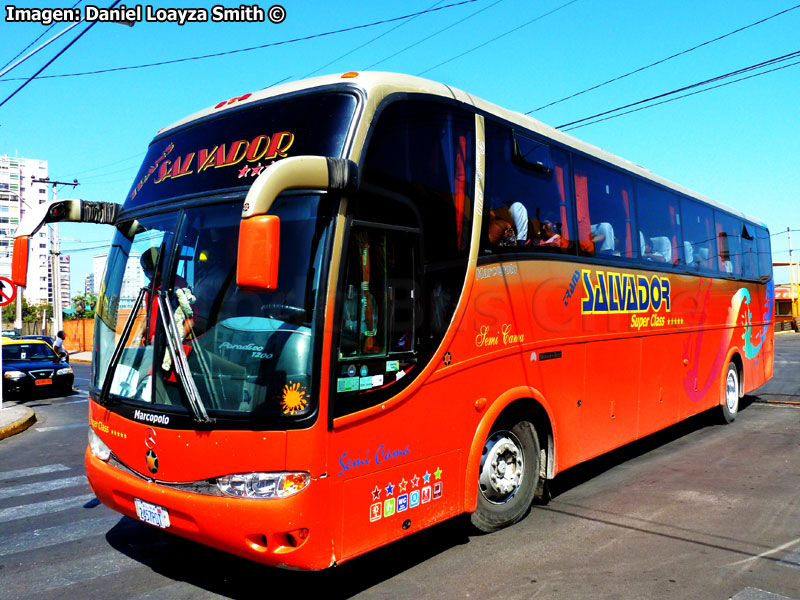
{"x":294,"y":399}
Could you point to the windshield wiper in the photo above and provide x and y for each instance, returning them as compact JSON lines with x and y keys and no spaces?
{"x":179,"y":359}
{"x":123,"y":339}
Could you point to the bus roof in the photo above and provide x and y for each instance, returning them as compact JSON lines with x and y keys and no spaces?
{"x":378,"y":85}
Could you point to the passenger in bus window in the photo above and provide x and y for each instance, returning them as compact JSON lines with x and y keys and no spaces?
{"x":520,"y":216}
{"x":654,"y":248}
{"x":549,"y":234}
{"x":603,"y":237}
{"x":500,"y":233}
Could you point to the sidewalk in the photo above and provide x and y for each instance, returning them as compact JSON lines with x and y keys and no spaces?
{"x":14,"y":419}
{"x":82,"y":357}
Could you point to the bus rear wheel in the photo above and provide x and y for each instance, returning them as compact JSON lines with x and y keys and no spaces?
{"x":508,"y":476}
{"x":730,"y":406}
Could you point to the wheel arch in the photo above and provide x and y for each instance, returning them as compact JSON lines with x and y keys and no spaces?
{"x":523,"y":403}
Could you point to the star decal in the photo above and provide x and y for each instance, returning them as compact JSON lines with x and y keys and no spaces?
{"x":427,"y":477}
{"x":415,"y":481}
{"x":376,"y":493}
{"x":402,"y":485}
{"x":244,"y":171}
{"x":389,"y":489}
{"x":256,"y":170}
{"x":437,"y":473}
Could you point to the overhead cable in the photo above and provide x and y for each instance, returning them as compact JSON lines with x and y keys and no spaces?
{"x":494,"y":39}
{"x":259,"y":47}
{"x":663,"y":60}
{"x":772,"y":61}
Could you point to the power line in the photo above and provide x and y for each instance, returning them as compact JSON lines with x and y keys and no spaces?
{"x":417,"y":43}
{"x":772,"y":61}
{"x":52,"y":60}
{"x":270,"y":45}
{"x":377,"y":37}
{"x":494,"y":39}
{"x":40,"y":36}
{"x":663,"y":60}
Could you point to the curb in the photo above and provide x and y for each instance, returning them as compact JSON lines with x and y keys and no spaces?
{"x":26,"y":418}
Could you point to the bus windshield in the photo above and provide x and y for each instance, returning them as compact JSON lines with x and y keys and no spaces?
{"x":249,"y":354}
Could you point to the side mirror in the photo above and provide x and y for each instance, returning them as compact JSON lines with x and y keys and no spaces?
{"x":259,"y":233}
{"x":259,"y":244}
{"x":19,"y":261}
{"x":69,"y":210}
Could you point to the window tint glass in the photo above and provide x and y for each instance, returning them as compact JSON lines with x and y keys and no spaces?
{"x":603,"y":198}
{"x":658,"y":221}
{"x":764,"y":253}
{"x":749,"y":252}
{"x":729,"y":234}
{"x":527,"y":188}
{"x":698,"y":237}
{"x":426,"y":151}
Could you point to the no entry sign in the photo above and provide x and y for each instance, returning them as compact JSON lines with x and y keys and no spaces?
{"x":8,"y":291}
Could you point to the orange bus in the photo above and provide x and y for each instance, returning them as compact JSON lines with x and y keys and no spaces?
{"x":372,"y":302}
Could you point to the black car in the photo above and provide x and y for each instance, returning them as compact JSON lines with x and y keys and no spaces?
{"x":33,"y":366}
{"x":44,"y":338}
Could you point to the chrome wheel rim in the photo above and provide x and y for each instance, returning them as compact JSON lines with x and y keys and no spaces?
{"x":502,"y":467}
{"x":732,"y":391}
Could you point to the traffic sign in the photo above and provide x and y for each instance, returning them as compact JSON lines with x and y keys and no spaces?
{"x":8,"y":291}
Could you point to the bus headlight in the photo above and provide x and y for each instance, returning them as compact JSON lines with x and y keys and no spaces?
{"x":14,"y":375}
{"x":263,"y":485}
{"x":64,"y":371}
{"x":98,"y":446}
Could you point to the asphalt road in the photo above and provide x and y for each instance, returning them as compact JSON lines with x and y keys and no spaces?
{"x":698,"y":511}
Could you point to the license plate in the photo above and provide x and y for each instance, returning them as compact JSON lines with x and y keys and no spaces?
{"x":152,"y":513}
{"x":43,"y":382}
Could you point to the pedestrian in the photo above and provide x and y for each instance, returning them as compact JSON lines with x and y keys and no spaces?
{"x":59,"y":346}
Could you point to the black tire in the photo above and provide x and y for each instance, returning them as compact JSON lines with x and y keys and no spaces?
{"x":508,"y":476}
{"x":730,"y":404}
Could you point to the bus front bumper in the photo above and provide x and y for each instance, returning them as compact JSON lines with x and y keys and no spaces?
{"x":291,"y":532}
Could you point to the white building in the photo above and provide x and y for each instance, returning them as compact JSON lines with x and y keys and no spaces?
{"x":17,"y":196}
{"x":132,"y":281}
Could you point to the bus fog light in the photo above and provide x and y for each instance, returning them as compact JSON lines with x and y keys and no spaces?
{"x":263,"y":485}
{"x":98,"y":447}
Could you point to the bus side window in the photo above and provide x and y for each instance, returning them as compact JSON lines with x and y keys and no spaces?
{"x":729,"y":239}
{"x":658,"y":221}
{"x":749,"y":252}
{"x":527,"y":191}
{"x":764,"y":253}
{"x":698,"y":236}
{"x":604,"y":201}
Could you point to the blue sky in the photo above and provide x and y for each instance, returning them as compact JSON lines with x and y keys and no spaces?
{"x":737,"y":144}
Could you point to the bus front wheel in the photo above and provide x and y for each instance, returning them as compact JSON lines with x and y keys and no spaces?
{"x":730,"y":405}
{"x":508,"y":476}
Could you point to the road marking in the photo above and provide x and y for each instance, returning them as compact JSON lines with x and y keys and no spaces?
{"x":5,"y":476}
{"x":792,"y":559}
{"x":40,"y":508}
{"x":749,"y":593}
{"x":58,"y":576}
{"x":58,"y":534}
{"x":775,"y":550}
{"x":57,"y":427}
{"x":42,"y":486}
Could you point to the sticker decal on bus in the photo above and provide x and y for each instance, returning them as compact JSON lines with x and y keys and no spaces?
{"x":389,"y":505}
{"x":618,"y":293}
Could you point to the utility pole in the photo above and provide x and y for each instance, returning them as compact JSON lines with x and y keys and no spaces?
{"x":794,"y":283}
{"x":55,"y":255}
